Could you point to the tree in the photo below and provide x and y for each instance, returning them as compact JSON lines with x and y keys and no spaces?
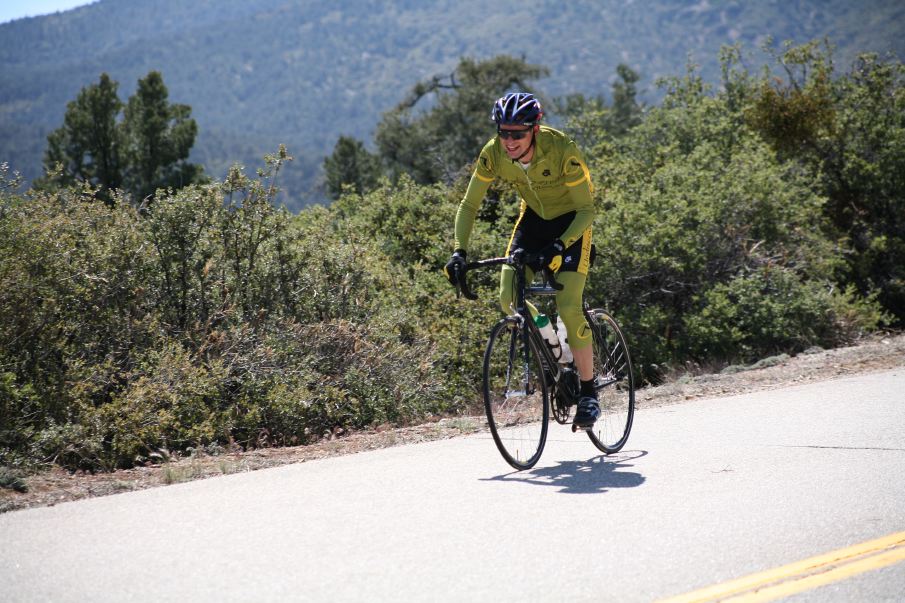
{"x":591,"y":122}
{"x":159,"y":138}
{"x":351,"y":165}
{"x":435,"y":145}
{"x":792,"y":114}
{"x":89,"y":144}
{"x":862,"y":168}
{"x":143,"y":151}
{"x":849,"y":133}
{"x":584,"y":118}
{"x":626,"y":112}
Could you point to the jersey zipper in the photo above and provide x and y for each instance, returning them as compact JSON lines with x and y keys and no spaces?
{"x":540,"y":203}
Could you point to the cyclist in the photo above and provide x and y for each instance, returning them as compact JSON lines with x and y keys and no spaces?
{"x":556,"y":213}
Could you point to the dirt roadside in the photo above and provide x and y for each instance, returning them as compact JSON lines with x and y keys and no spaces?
{"x":57,"y":485}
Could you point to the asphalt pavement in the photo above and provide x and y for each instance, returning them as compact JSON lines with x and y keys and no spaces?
{"x":704,"y":492}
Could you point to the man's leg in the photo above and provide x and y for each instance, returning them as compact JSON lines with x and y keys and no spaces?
{"x":584,"y":362}
{"x":568,"y":303}
{"x":507,"y":290}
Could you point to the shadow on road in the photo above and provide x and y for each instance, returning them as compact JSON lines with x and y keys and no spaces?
{"x":592,"y":476}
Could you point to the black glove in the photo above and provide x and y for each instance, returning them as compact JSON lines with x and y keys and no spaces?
{"x":551,"y":255}
{"x":455,"y":266}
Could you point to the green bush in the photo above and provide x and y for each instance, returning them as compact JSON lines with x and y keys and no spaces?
{"x":772,"y":311}
{"x":211,"y":317}
{"x":699,"y":218}
{"x":171,"y":402}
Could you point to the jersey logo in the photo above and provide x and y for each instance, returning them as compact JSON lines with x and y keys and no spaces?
{"x":547,"y":173}
{"x":575,"y":163}
{"x":484,"y":162}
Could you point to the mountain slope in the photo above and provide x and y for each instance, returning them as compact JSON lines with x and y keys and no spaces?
{"x":258,"y":73}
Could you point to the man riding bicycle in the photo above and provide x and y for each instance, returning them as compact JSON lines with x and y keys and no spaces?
{"x":556,"y":213}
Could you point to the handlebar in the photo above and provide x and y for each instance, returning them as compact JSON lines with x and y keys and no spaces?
{"x":519,"y":259}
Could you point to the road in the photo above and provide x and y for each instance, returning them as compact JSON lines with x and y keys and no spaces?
{"x":705,"y":492}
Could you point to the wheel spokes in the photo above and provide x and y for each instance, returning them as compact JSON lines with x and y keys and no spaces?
{"x":515,"y":396}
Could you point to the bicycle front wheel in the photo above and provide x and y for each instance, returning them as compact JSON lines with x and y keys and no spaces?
{"x":614,"y":382}
{"x":515,"y":394}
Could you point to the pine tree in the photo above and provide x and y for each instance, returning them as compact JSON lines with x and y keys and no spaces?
{"x":435,"y":145}
{"x":350,"y":165}
{"x":141,"y":151}
{"x":88,"y":146}
{"x":159,"y":138}
{"x":626,"y":113}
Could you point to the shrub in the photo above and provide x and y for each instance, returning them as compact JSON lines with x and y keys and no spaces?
{"x":213,"y":317}
{"x":770,"y":311}
{"x":698,"y":215}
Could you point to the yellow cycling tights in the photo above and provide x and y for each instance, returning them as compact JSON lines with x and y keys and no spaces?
{"x":568,"y":302}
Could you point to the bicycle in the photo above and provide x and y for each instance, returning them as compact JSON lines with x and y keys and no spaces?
{"x":524,"y":382}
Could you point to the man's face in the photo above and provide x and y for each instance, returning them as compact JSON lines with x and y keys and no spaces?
{"x":515,"y":148}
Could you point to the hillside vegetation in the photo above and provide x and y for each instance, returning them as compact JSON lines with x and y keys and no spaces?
{"x":259,"y":73}
{"x":766,"y":216}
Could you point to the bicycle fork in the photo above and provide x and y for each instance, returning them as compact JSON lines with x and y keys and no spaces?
{"x":512,"y":366}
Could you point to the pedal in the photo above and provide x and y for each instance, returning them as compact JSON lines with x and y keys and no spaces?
{"x":581,"y":427}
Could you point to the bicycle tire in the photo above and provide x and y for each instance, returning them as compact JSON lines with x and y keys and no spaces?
{"x":518,"y":412}
{"x":615,"y":383}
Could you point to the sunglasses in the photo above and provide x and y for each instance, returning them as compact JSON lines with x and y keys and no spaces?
{"x":513,"y":134}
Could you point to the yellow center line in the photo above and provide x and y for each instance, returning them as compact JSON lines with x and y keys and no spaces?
{"x":803,"y":575}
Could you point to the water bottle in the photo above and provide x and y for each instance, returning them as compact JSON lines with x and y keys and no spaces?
{"x":542,"y":321}
{"x":566,"y":355}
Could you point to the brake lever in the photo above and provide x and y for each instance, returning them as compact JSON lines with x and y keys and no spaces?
{"x":463,"y":286}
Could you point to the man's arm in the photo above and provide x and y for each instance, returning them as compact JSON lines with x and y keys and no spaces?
{"x":468,"y":209}
{"x":578,"y":183}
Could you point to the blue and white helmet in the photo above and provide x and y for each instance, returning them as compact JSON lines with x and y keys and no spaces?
{"x":517,"y":108}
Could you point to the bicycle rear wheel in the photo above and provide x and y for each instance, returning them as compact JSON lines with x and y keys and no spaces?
{"x":614,"y":382}
{"x":515,"y":395}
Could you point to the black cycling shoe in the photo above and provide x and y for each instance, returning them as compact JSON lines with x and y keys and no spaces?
{"x":587,"y":413}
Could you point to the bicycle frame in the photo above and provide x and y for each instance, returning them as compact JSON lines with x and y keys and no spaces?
{"x":520,"y":307}
{"x":559,"y":383}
